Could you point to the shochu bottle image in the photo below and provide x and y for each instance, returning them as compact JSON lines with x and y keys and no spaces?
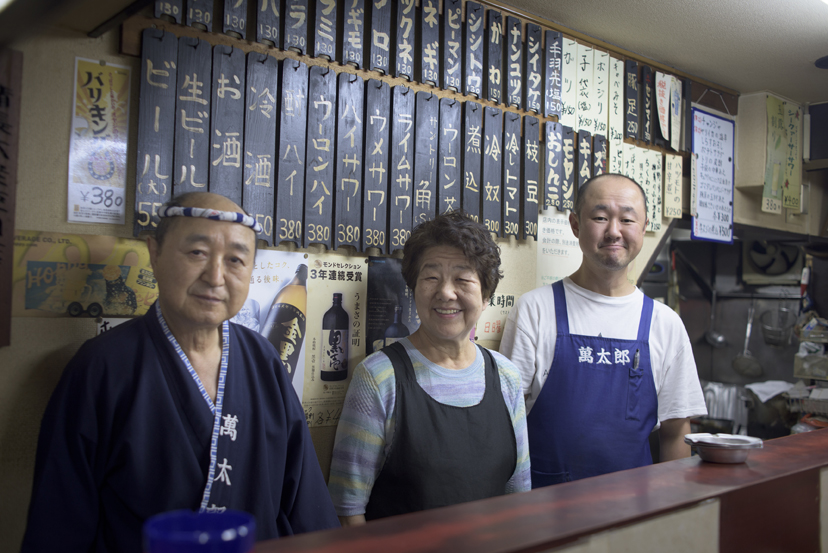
{"x":397,"y":329}
{"x":285,"y":323}
{"x":334,"y":356}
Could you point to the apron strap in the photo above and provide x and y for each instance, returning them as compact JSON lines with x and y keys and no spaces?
{"x":646,"y":319}
{"x":490,"y":369}
{"x":403,"y":369}
{"x":561,"y":314}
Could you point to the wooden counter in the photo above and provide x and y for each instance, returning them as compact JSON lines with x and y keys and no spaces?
{"x":769,"y":503}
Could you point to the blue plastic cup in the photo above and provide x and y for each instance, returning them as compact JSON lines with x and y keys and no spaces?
{"x":189,"y":532}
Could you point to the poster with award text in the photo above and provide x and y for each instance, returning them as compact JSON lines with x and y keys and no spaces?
{"x":337,"y":304}
{"x":276,"y":308}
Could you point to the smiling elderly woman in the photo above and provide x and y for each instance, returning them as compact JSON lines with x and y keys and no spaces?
{"x":434,"y":420}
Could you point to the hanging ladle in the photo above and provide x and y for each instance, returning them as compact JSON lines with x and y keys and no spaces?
{"x":715,"y":339}
{"x":745,"y":363}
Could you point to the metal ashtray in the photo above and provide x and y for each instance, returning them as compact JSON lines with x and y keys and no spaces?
{"x":723,"y":448}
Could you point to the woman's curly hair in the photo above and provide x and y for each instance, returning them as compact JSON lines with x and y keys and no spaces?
{"x":457,"y":230}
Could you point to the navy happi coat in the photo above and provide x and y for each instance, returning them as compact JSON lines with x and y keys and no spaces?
{"x":127,"y":434}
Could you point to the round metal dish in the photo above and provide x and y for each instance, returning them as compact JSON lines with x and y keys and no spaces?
{"x":723,"y":448}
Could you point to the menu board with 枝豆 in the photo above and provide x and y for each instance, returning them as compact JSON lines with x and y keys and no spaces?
{"x":712,"y":168}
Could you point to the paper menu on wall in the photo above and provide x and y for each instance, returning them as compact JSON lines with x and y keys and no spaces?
{"x":584,"y":70}
{"x":675,"y":114}
{"x":663,"y":86}
{"x":712,"y":168}
{"x":600,"y":77}
{"x":783,"y":160}
{"x":673,"y":167}
{"x":651,"y":181}
{"x":775,"y":155}
{"x":792,"y":191}
{"x":616,"y":116}
{"x":558,"y":252}
{"x":569,"y":88}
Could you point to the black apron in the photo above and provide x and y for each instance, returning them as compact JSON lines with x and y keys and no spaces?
{"x":442,"y":455}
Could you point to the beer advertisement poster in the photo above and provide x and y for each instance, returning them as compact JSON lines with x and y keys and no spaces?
{"x":73,"y":275}
{"x":392,"y":313}
{"x":276,"y":308}
{"x":98,"y":143}
{"x":335,"y":343}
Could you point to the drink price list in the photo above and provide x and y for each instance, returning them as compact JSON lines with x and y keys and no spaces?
{"x":712,"y":177}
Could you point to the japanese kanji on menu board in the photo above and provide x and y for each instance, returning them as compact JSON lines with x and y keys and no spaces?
{"x":336,"y":154}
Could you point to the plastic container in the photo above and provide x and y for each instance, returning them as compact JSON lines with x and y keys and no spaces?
{"x":777,"y":325}
{"x":189,"y":532}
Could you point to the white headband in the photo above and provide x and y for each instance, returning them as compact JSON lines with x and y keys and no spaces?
{"x":215,"y":214}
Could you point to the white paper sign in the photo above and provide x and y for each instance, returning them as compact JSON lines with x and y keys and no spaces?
{"x":675,"y":114}
{"x":664,"y":84}
{"x":559,"y":254}
{"x":616,"y":116}
{"x":672,"y":186}
{"x":586,"y":92}
{"x":569,"y":85}
{"x":713,"y":151}
{"x":652,"y":176}
{"x":600,"y":76}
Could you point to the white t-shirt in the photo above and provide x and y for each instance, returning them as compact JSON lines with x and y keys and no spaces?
{"x":530,"y":332}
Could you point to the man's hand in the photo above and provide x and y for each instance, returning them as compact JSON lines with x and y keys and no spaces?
{"x":671,"y":437}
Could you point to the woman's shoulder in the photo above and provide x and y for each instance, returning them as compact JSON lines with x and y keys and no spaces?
{"x":505,"y":367}
{"x":377,"y":366}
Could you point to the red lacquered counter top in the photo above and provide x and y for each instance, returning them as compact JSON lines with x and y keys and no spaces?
{"x":786,"y":470}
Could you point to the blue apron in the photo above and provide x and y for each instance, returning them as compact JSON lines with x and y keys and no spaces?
{"x":598,"y":406}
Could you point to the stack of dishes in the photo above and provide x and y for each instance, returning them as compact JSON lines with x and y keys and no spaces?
{"x":723,"y":448}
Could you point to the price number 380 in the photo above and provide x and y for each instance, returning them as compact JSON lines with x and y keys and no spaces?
{"x":108,"y":198}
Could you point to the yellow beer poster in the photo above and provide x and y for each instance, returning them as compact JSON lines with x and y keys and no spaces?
{"x":60,"y":275}
{"x":98,"y":143}
{"x":337,"y":306}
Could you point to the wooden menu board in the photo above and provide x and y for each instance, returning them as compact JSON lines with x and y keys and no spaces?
{"x":474,"y":50}
{"x":711,"y":177}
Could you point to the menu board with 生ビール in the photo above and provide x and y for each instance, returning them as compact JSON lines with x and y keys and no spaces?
{"x":712,"y":171}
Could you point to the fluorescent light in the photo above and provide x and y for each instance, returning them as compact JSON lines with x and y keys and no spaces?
{"x":5,"y":3}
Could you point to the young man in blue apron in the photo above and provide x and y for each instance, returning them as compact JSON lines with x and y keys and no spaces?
{"x":602,"y":365}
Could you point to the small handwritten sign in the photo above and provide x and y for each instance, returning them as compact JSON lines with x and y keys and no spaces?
{"x":672,"y":186}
